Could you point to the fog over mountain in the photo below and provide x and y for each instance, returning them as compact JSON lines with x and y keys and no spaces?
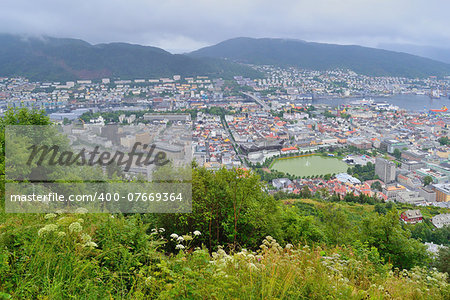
{"x":321,"y":56}
{"x":183,"y":26}
{"x":436,"y":53}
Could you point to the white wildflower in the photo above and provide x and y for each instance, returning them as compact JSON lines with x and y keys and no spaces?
{"x":180,"y":239}
{"x":61,"y":234}
{"x":51,"y":227}
{"x":174,"y":236}
{"x":197,"y":233}
{"x":50,"y":216}
{"x":75,"y":227}
{"x":187,"y":237}
{"x":47,"y":228}
{"x":179,"y":246}
{"x":252,"y":266}
{"x":81,"y":210}
{"x":162,"y":230}
{"x":64,"y":220}
{"x":90,"y":245}
{"x":86,"y":238}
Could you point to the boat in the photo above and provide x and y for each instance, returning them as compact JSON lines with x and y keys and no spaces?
{"x":363,"y":101}
{"x":435,"y":94}
{"x":443,"y":109}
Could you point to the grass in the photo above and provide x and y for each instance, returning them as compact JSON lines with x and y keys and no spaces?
{"x":353,"y":207}
{"x":127,"y":262}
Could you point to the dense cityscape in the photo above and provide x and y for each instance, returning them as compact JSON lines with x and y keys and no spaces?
{"x":391,"y":153}
{"x":225,"y":150}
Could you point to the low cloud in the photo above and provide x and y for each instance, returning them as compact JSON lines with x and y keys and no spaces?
{"x":179,"y":25}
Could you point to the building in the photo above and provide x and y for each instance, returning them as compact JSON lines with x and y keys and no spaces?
{"x":441,"y":220}
{"x":390,"y":145}
{"x":410,"y":197}
{"x":391,"y":191}
{"x":437,"y":176}
{"x":360,"y":143}
{"x":342,"y":139}
{"x":442,"y":192}
{"x":411,"y":165}
{"x":346,"y":178}
{"x":385,"y":170}
{"x":261,"y":145}
{"x":413,"y":155}
{"x":281,"y":183}
{"x":411,"y":216}
{"x":409,"y":180}
{"x":169,"y":117}
{"x":428,"y":193}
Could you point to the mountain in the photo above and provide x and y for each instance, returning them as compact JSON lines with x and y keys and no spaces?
{"x":49,"y":58}
{"x":320,"y":56}
{"x":436,"y":53}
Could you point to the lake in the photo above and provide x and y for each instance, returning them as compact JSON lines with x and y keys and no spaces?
{"x":310,"y":165}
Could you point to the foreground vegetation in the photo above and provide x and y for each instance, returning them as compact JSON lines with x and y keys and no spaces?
{"x":108,"y":256}
{"x":239,"y":242}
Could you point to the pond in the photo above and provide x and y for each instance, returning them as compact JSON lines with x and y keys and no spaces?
{"x":310,"y":165}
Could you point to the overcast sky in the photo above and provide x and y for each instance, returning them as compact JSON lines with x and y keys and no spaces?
{"x":185,"y":25}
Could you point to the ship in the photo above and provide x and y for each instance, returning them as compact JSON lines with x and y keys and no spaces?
{"x":435,"y":94}
{"x":443,"y":109}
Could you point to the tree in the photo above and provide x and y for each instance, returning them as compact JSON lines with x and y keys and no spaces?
{"x":229,"y":206}
{"x":338,"y":227}
{"x":19,"y":117}
{"x":397,"y":153}
{"x":444,"y":141}
{"x":393,"y":242}
{"x":442,"y":262}
{"x":379,"y":208}
{"x":297,"y":228}
{"x":427,"y":180}
{"x":376,"y":186}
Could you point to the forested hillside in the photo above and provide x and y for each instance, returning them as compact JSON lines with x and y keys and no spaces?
{"x":321,"y":56}
{"x":59,"y":59}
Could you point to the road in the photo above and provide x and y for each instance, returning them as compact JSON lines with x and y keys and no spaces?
{"x":235,"y":145}
{"x":257,"y":100}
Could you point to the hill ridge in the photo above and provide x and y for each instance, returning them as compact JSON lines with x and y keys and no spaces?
{"x":323,"y":56}
{"x":49,"y":58}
